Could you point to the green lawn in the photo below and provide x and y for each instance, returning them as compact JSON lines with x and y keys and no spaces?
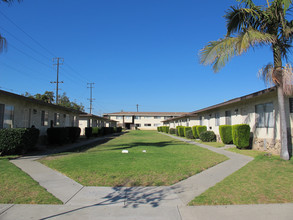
{"x":266,"y":179}
{"x":165,"y":162}
{"x":16,"y":187}
{"x":213,"y":144}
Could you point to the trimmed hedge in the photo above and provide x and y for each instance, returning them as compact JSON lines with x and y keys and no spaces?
{"x":241,"y":135}
{"x":18,"y":140}
{"x":74,"y":133}
{"x":200,"y":129}
{"x":58,"y":135}
{"x":95,"y":131}
{"x":180,"y":131}
{"x":176,"y":131}
{"x":189,"y":134}
{"x":172,"y":131}
{"x":207,"y":136}
{"x":186,"y":128}
{"x":88,"y":132}
{"x":226,"y":134}
{"x":194,"y":132}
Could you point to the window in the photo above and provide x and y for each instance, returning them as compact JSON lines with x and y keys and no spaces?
{"x":118,"y":117}
{"x":157,"y":117}
{"x":147,"y":117}
{"x":128,"y":117}
{"x":217,"y":117}
{"x":264,"y":115}
{"x":147,"y":125}
{"x":228,"y":117}
{"x":44,"y":118}
{"x":157,"y":125}
{"x":8,"y":116}
{"x":137,"y":125}
{"x":137,"y":117}
{"x":167,"y":117}
{"x":56,"y":119}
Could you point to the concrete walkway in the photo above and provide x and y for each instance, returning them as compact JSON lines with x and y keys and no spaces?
{"x":168,"y":202}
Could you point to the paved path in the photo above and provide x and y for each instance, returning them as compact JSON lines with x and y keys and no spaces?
{"x":168,"y":202}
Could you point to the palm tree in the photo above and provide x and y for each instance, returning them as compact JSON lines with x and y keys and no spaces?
{"x":3,"y":43}
{"x":249,"y":25}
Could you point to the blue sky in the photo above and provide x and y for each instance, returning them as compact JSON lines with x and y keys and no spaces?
{"x":135,"y":51}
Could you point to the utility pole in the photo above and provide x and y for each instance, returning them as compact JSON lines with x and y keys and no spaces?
{"x":59,"y":61}
{"x":137,"y":107}
{"x":91,"y":97}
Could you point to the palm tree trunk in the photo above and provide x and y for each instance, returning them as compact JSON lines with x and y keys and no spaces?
{"x":278,"y":76}
{"x":283,"y":125}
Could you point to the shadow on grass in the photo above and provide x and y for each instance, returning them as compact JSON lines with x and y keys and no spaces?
{"x":139,"y":144}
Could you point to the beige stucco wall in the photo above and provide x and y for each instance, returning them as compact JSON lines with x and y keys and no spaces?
{"x":265,"y":139}
{"x":32,"y":112}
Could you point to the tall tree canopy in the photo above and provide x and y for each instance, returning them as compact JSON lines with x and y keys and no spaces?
{"x":248,"y":26}
{"x":64,"y":100}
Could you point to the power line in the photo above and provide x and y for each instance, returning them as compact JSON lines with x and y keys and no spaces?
{"x":37,"y":52}
{"x":26,"y":33}
{"x":30,"y":56}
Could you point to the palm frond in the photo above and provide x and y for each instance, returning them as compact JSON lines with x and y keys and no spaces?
{"x":240,"y":18}
{"x":252,"y":37}
{"x":3,"y":44}
{"x":266,"y":74}
{"x":218,"y":52}
{"x":286,"y":4}
{"x":248,"y":3}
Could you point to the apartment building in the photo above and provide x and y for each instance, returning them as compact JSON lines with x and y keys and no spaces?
{"x":260,"y":110}
{"x":141,"y":120}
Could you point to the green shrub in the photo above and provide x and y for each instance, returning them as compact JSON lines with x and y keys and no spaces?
{"x":176,"y":131}
{"x":18,"y":140}
{"x":119,"y":129}
{"x":74,"y":133}
{"x":200,"y":129}
{"x":58,"y":135}
{"x":241,"y":135}
{"x":186,"y":128}
{"x":226,"y":134}
{"x":172,"y":131}
{"x":180,"y":131}
{"x":207,"y":136}
{"x":189,"y":134}
{"x":158,"y":129}
{"x":167,"y":129}
{"x":194,"y":132}
{"x":108,"y":130}
{"x":88,"y":132}
{"x":95,"y":131}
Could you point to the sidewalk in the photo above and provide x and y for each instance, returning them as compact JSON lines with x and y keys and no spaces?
{"x":167,"y":202}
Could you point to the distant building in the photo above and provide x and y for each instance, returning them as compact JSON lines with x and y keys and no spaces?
{"x":90,"y":120}
{"x":141,"y":120}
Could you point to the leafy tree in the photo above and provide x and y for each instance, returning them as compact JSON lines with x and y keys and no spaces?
{"x":3,"y":42}
{"x":249,"y":25}
{"x":49,"y":97}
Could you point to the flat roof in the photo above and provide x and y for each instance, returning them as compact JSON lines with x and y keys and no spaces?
{"x":86,"y":115}
{"x":145,"y":113}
